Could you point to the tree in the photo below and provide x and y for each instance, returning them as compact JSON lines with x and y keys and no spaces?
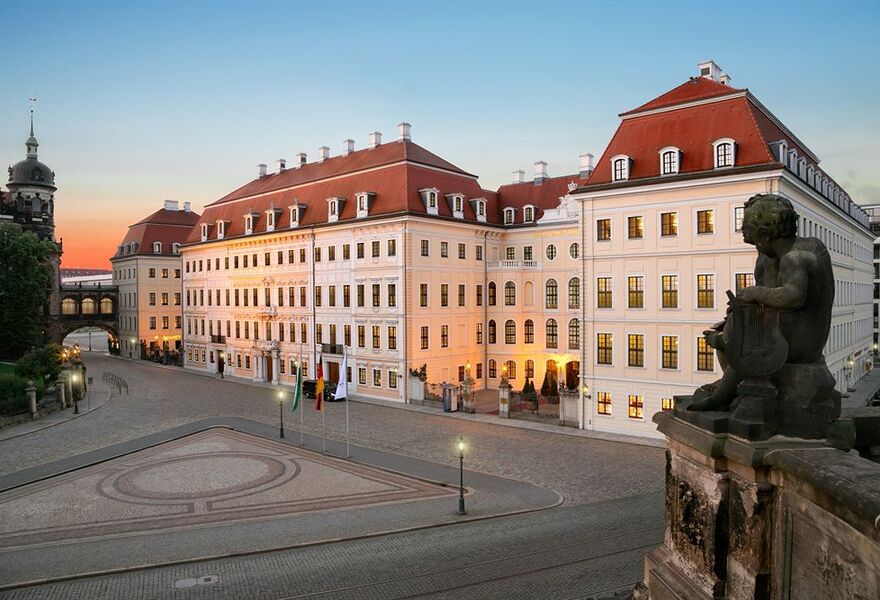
{"x":25,"y":279}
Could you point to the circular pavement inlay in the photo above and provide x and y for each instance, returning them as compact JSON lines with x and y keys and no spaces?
{"x":200,"y":476}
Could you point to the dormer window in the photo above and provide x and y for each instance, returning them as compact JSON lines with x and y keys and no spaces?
{"x":792,"y":160}
{"x":157,"y":247}
{"x":670,"y":157}
{"x":479,"y":206}
{"x":296,"y":213}
{"x":364,"y":201}
{"x":175,"y":248}
{"x":334,"y":208}
{"x":205,"y":227}
{"x":811,"y":176}
{"x":249,"y":221}
{"x":725,"y":150}
{"x":221,"y":229}
{"x":620,"y":166}
{"x":509,"y":216}
{"x":271,"y":218}
{"x":802,"y":168}
{"x":431,"y":196}
{"x":528,"y":214}
{"x":456,"y":204}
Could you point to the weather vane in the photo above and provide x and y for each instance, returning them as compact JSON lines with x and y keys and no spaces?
{"x":33,"y":100}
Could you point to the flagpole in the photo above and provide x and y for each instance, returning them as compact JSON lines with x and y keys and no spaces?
{"x":323,"y":409}
{"x":299,"y":391}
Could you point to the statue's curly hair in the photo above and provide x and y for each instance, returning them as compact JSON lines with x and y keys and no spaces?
{"x":774,"y":214}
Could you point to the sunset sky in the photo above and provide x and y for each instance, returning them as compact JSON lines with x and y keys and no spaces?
{"x":139,"y":102}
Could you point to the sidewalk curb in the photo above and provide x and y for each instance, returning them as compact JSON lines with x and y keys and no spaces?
{"x":50,"y":425}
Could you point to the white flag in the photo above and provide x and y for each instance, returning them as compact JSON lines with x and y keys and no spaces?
{"x":342,"y":384}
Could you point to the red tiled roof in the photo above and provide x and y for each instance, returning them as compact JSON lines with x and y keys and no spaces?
{"x":166,"y":226}
{"x":696,"y":88}
{"x":542,"y":197}
{"x":692,"y":130}
{"x":369,"y":158}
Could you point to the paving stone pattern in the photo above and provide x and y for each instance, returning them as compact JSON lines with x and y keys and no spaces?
{"x":581,"y":469}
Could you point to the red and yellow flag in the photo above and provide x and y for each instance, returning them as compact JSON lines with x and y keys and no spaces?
{"x":319,"y":388}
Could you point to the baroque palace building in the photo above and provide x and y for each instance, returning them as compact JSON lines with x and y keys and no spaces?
{"x":603,"y":279}
{"x":147,"y":269}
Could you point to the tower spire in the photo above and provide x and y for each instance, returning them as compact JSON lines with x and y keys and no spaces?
{"x":31,"y":143}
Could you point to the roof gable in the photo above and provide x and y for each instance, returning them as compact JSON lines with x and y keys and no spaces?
{"x":692,"y":90}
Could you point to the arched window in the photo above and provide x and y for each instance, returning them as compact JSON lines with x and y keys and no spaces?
{"x":510,"y":332}
{"x":723,"y":154}
{"x":620,"y":168}
{"x":106,"y":306}
{"x":529,"y":328}
{"x":530,"y":369}
{"x":157,"y":247}
{"x":529,"y":299}
{"x":574,"y":250}
{"x":574,"y":292}
{"x":492,"y":293}
{"x":493,"y":369}
{"x":510,"y":369}
{"x":552,"y":333}
{"x":510,"y":294}
{"x":528,"y":214}
{"x":89,"y":306}
{"x":508,"y":216}
{"x":68,"y":306}
{"x":551,"y":294}
{"x":492,"y":332}
{"x":669,"y":160}
{"x":574,"y":335}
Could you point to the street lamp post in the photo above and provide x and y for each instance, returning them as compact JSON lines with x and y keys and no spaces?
{"x":461,"y":447}
{"x":75,"y":398}
{"x":281,"y":413}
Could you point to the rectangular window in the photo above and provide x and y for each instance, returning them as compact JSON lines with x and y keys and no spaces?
{"x":377,"y":378}
{"x":317,"y":295}
{"x":479,"y":371}
{"x":346,"y":251}
{"x":302,"y":296}
{"x":528,"y":253}
{"x":510,"y":253}
{"x":603,"y":292}
{"x":331,"y":295}
{"x":346,"y":333}
{"x":478,"y":254}
{"x":603,"y":230}
{"x":392,"y":295}
{"x":346,"y":296}
{"x":152,"y":298}
{"x":705,"y":221}
{"x":444,"y":294}
{"x":377,"y":294}
{"x":423,"y":294}
{"x":374,"y":247}
{"x":479,"y":294}
{"x":705,"y":291}
{"x":636,"y":350}
{"x":479,"y":333}
{"x":444,"y":249}
{"x":152,"y":273}
{"x":331,"y":252}
{"x":362,"y":376}
{"x":424,"y":334}
{"x":636,"y":406}
{"x":165,"y":323}
{"x":669,"y":291}
{"x":304,"y":336}
{"x":360,"y":249}
{"x":603,"y":403}
{"x":425,"y":248}
{"x":392,"y":337}
{"x":668,"y":224}
{"x":392,"y":247}
{"x":362,"y":336}
{"x":669,"y":351}
{"x":377,"y":337}
{"x":744,"y":280}
{"x":461,"y":294}
{"x":603,"y":348}
{"x":636,"y":291}
{"x":317,"y":254}
{"x":360,"y":294}
{"x":636,"y":227}
{"x":738,"y":213}
{"x":462,"y":251}
{"x":267,"y":259}
{"x":392,"y":379}
{"x":667,"y":403}
{"x":705,"y":355}
{"x":444,"y":336}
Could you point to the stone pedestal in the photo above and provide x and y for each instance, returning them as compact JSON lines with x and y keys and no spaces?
{"x":744,"y":518}
{"x":503,"y":399}
{"x":31,"y":393}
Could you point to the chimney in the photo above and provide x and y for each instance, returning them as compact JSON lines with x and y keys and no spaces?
{"x":710,"y":70}
{"x":540,"y":172}
{"x":375,"y":139}
{"x":282,"y":165}
{"x":323,"y":153}
{"x":586,"y":165}
{"x":262,"y":167}
{"x":403,"y":130}
{"x":519,"y":176}
{"x":347,"y":147}
{"x":300,"y":160}
{"x":186,"y":207}
{"x":171,"y":205}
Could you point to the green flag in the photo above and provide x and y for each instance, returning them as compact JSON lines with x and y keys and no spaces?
{"x":297,"y":394}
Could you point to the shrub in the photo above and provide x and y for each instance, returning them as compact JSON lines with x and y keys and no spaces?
{"x":41,"y":364}
{"x":13,"y":399}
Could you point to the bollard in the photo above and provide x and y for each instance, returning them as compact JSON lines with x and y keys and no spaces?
{"x":31,"y":393}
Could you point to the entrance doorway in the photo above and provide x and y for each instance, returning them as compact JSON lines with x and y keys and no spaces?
{"x":572,"y":374}
{"x":333,"y":372}
{"x":268,"y":360}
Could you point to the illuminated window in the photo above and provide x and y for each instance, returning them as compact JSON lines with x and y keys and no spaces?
{"x":552,"y":334}
{"x":705,"y":291}
{"x":669,"y":346}
{"x":667,"y":403}
{"x":510,"y":294}
{"x":669,"y":290}
{"x":705,"y":355}
{"x":574,"y":334}
{"x":603,"y":292}
{"x":574,"y":292}
{"x":551,"y":294}
{"x":668,"y":224}
{"x":509,"y":332}
{"x":744,"y":280}
{"x":603,"y":230}
{"x":636,"y":406}
{"x":603,"y":348}
{"x":529,"y":329}
{"x":603,"y":403}
{"x":705,"y":221}
{"x":636,"y":350}
{"x":636,"y":291}
{"x":636,"y":227}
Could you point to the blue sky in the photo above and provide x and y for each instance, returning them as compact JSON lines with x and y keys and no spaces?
{"x":139,"y":102}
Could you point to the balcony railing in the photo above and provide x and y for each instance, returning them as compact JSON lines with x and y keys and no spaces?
{"x":218,"y":339}
{"x":514,"y":264}
{"x":332,"y":348}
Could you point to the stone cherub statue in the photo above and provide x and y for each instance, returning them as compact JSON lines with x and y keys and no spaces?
{"x":770,"y":345}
